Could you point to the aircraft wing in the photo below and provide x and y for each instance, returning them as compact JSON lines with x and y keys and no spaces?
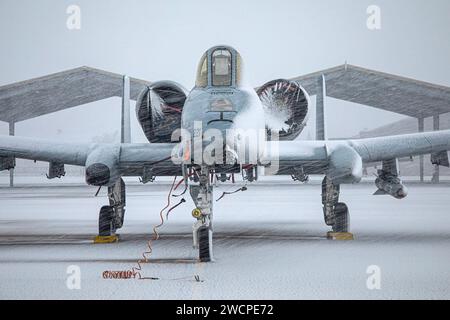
{"x":126,"y":159}
{"x":387,"y":148}
{"x":345,"y":157}
{"x":284,"y":157}
{"x":138,"y":158}
{"x":44,"y":150}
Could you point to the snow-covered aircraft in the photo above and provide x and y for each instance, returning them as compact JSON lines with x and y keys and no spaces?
{"x":227,"y":127}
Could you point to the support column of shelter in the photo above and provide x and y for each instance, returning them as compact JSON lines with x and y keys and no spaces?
{"x":125,"y":134}
{"x":11,"y":171}
{"x":421,"y":124}
{"x":436,"y":177}
{"x":320,"y":108}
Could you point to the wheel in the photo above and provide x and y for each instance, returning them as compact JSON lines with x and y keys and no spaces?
{"x":106,"y":221}
{"x":205,"y":244}
{"x":329,"y":219}
{"x":341,"y":218}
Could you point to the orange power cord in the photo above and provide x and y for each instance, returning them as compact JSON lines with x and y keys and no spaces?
{"x":145,"y":254}
{"x":136,"y":271}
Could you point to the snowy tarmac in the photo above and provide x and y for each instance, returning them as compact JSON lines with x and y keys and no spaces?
{"x":269,"y":244}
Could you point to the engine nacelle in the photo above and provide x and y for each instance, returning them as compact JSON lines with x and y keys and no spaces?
{"x":286,"y":107}
{"x":158,"y":110}
{"x":102,"y":167}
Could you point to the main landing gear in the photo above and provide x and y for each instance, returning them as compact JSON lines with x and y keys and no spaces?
{"x":111,"y":217}
{"x":202,"y":195}
{"x":335,"y":213}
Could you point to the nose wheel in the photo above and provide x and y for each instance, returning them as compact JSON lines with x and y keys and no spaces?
{"x":205,"y":244}
{"x":202,"y":195}
{"x":203,"y":235}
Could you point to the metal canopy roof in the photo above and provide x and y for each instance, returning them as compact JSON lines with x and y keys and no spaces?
{"x":35,"y":97}
{"x":381,"y":90}
{"x":32,"y":98}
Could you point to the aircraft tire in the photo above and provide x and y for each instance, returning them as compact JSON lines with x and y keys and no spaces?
{"x":106,"y":221}
{"x":341,"y":218}
{"x":205,"y":244}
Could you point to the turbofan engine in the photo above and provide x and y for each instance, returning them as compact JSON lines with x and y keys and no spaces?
{"x":286,"y":107}
{"x":159,"y":108}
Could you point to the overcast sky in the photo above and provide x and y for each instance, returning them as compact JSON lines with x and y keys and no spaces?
{"x":157,"y":40}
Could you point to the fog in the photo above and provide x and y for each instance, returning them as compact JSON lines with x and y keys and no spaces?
{"x":156,"y":40}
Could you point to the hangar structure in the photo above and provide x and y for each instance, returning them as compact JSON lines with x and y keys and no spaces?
{"x":39,"y":96}
{"x":379,"y":90}
{"x":55,"y":92}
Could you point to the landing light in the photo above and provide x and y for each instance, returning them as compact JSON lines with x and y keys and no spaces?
{"x":197,"y":213}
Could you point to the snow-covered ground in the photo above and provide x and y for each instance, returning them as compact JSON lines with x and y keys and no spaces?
{"x":269,"y":244}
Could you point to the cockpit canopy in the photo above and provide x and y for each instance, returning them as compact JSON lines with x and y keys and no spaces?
{"x":219,"y":67}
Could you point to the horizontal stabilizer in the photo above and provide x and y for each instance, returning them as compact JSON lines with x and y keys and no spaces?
{"x":380,"y":192}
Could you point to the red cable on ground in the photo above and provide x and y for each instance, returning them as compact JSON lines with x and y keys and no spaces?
{"x":135,"y":271}
{"x":155,"y":237}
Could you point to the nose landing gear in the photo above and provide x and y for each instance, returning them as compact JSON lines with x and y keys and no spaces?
{"x":202,"y":230}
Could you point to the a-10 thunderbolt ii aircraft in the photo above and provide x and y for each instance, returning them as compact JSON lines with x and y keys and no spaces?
{"x":227,"y":127}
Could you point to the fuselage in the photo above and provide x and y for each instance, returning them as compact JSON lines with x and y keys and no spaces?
{"x":222,"y":111}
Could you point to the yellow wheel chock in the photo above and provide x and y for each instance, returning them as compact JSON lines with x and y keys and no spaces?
{"x":340,"y":236}
{"x":106,"y":239}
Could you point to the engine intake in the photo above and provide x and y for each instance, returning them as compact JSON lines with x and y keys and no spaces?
{"x":286,"y":107}
{"x":159,"y":108}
